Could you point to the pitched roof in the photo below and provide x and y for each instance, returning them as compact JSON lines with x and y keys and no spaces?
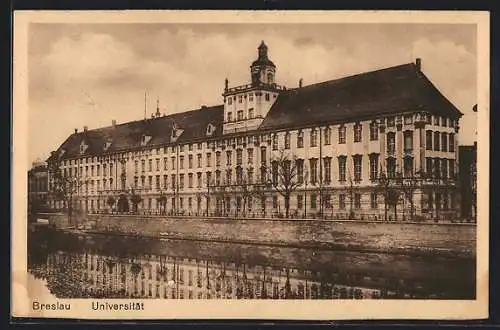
{"x":129,"y":135}
{"x":388,"y":91}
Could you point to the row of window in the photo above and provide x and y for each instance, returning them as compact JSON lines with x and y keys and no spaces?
{"x":439,"y":141}
{"x":240,"y":115}
{"x":240,"y":97}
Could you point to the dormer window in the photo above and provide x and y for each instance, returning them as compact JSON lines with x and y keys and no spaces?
{"x":210,"y":129}
{"x":107,"y":144}
{"x":83,"y":147}
{"x":145,"y":139}
{"x":62,"y":152}
{"x":176,"y":132}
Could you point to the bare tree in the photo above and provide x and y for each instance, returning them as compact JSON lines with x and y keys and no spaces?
{"x":63,"y":186}
{"x":284,"y":177}
{"x":409,"y":185}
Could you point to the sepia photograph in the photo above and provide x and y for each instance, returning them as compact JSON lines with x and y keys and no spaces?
{"x":251,"y":165}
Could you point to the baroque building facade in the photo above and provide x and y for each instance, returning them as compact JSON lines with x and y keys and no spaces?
{"x":377,"y":145}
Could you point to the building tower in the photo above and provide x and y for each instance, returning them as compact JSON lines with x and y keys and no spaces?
{"x":246,"y":106}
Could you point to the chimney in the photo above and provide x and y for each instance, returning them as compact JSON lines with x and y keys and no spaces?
{"x":418,"y":64}
{"x":76,"y":130}
{"x":113,"y":122}
{"x":203,"y":106}
{"x":300,"y":83}
{"x":85,"y":128}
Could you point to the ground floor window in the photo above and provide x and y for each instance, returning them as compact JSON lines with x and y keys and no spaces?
{"x":342,"y":201}
{"x":300,"y":202}
{"x":357,"y":201}
{"x":373,"y":200}
{"x":313,"y":201}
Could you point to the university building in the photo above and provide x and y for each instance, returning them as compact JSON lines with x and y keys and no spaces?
{"x":381,"y":144}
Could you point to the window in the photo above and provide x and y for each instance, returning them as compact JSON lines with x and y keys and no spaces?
{"x":391,"y":143}
{"x":165,"y":163}
{"x":313,"y":201}
{"x":313,"y":164}
{"x":267,"y":97}
{"x":408,"y":119}
{"x":327,"y":164}
{"x":300,"y":202}
{"x":181,"y":162}
{"x":314,"y":138}
{"x":150,"y":182}
{"x":342,"y":134}
{"x":391,"y":167}
{"x":428,"y":119}
{"x":274,"y":169}
{"x":173,"y":182}
{"x":240,"y":99}
{"x":428,"y":167}
{"x":263,"y":155}
{"x":250,"y":175}
{"x":199,"y":160}
{"x":373,"y":166}
{"x":104,"y":170}
{"x":228,"y":157}
{"x":373,"y":200}
{"x":436,"y":140}
{"x":229,"y":101}
{"x":444,"y":141}
{"x":110,"y":169}
{"x":181,"y":181}
{"x":92,"y":170}
{"x":229,"y":116}
{"x":173,"y":163}
{"x":328,"y":136}
{"x":299,"y":164}
{"x":250,"y":113}
{"x":287,"y":140}
{"x":250,"y":97}
{"x":200,"y":145}
{"x":342,"y":168}
{"x":217,"y":158}
{"x":198,"y":179}
{"x":436,"y":120}
{"x":444,"y":168}
{"x":209,"y":178}
{"x":275,"y":202}
{"x":239,"y":157}
{"x":229,"y":175}
{"x":275,"y":141}
{"x":240,"y":114}
{"x":157,"y":182}
{"x":357,"y":132}
{"x":250,"y":156}
{"x":342,"y":201}
{"x":408,"y":166}
{"x":428,"y":140}
{"x":190,"y":180}
{"x":357,"y":200}
{"x":209,"y":159}
{"x":99,"y":169}
{"x":190,"y":147}
{"x":437,"y":168}
{"x":443,"y":121}
{"x":391,"y":122}
{"x":373,"y":131}
{"x":451,"y":143}
{"x":190,"y":161}
{"x":165,"y":181}
{"x":357,"y":167}
{"x":408,"y":141}
{"x":452,"y":168}
{"x":300,"y":139}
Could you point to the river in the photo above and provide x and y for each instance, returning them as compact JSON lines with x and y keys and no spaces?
{"x":73,"y":265}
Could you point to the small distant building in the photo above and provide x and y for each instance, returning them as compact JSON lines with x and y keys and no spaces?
{"x":468,"y":180}
{"x":38,"y":178}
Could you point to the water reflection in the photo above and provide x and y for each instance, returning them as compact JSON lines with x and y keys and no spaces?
{"x":115,"y":267}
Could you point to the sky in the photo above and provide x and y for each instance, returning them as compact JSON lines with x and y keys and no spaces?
{"x":90,"y":74}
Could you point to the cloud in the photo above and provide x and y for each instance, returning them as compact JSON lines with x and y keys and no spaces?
{"x":186,"y":66}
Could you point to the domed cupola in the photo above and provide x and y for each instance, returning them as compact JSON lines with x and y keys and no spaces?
{"x":263,"y":69}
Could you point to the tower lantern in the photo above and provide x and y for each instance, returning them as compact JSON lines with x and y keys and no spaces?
{"x":263,"y":69}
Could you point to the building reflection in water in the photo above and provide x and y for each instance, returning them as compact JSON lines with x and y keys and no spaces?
{"x":89,"y":275}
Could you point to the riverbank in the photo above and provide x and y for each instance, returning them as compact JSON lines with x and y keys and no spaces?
{"x":454,"y":240}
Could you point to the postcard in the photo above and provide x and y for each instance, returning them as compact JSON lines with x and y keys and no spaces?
{"x":286,"y":165}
